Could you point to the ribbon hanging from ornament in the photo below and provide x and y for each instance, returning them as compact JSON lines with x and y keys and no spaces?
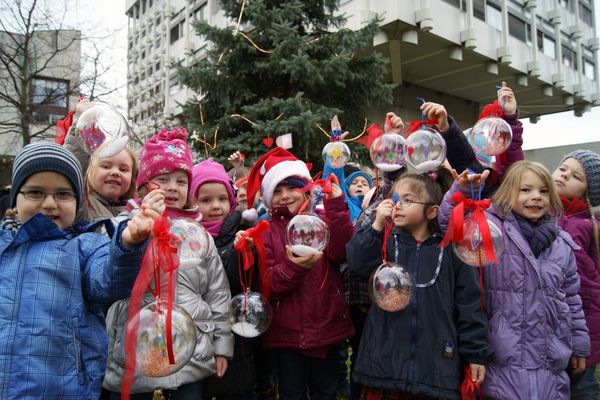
{"x":468,"y":388}
{"x":245,"y":250}
{"x":161,"y":254}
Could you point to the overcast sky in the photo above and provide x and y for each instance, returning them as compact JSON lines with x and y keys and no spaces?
{"x":108,"y":17}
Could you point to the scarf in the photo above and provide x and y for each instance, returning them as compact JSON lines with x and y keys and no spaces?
{"x":214,"y":227}
{"x":573,"y":206}
{"x":539,"y":234}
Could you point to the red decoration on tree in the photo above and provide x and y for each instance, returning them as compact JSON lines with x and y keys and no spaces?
{"x":268,"y":141}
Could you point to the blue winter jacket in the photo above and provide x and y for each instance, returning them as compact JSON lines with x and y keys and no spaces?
{"x":53,"y":342}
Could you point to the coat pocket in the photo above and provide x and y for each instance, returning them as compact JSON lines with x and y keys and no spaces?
{"x":82,"y":378}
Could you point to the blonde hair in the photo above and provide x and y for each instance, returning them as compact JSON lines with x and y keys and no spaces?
{"x":93,"y":168}
{"x":507,"y":193}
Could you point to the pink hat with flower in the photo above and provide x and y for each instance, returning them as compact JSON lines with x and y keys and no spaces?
{"x":163,"y":153}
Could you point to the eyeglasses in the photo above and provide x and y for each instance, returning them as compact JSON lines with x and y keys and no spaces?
{"x":62,"y":196}
{"x":405,"y":203}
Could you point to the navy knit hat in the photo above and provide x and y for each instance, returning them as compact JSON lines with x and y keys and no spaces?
{"x":45,"y":157}
{"x":590,"y":162}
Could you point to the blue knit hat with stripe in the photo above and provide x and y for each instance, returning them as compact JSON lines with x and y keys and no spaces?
{"x":45,"y":157}
{"x":590,"y":162}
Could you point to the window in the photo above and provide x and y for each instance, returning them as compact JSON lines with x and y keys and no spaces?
{"x":519,"y":29}
{"x":176,"y":32}
{"x":158,"y":20}
{"x":589,"y":69}
{"x":49,"y":100}
{"x":494,"y":16}
{"x":157,"y":66}
{"x":143,"y":55}
{"x":173,"y":85}
{"x":479,"y":9}
{"x":585,"y":14}
{"x":569,"y":57}
{"x":567,"y":4}
{"x":199,"y":13}
{"x":546,"y":45}
{"x":158,"y":43}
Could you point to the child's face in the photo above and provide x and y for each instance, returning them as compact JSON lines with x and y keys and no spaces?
{"x":112,"y":176}
{"x":175,"y":185}
{"x":62,"y":213}
{"x":358,"y":187}
{"x":415,"y":216}
{"x":213,"y":201}
{"x":241,"y":196}
{"x":533,"y":199}
{"x":569,"y":179}
{"x":285,"y":195}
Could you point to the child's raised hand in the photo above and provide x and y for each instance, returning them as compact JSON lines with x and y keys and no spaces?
{"x":507,"y":99}
{"x":240,"y":236}
{"x":466,"y":179}
{"x":384,"y":211}
{"x":578,"y":364}
{"x":477,"y":373}
{"x":336,"y":191}
{"x":139,"y":227}
{"x":438,"y":112}
{"x":236,"y":159}
{"x":155,"y":200}
{"x":395,"y":123}
{"x":304,"y":261}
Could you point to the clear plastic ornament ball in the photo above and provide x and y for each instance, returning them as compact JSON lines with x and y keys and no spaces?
{"x":336,"y":154}
{"x":152,"y":357}
{"x":387,"y":152}
{"x":250,"y":314}
{"x":425,"y":150}
{"x":102,"y":131}
{"x":491,"y":136}
{"x":391,"y":287}
{"x":193,"y":240}
{"x":306,"y":234}
{"x":471,"y":250}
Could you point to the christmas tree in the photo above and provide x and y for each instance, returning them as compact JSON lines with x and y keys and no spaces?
{"x":282,"y":67}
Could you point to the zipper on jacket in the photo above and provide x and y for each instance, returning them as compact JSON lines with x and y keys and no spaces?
{"x":413,"y":325}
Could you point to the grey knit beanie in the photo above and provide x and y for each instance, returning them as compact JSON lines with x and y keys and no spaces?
{"x":45,"y":157}
{"x":590,"y":162}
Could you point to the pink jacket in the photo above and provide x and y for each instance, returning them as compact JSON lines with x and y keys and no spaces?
{"x":310,"y":311}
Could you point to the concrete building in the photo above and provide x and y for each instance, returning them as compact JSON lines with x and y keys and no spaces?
{"x":53,"y":69}
{"x":551,"y":156}
{"x":453,"y":52}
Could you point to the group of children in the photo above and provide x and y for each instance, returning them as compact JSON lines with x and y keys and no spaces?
{"x":527,"y":328}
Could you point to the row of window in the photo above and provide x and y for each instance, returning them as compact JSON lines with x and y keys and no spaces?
{"x":520,"y":29}
{"x":49,"y":100}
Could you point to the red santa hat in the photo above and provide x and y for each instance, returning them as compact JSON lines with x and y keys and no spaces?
{"x":270,"y":169}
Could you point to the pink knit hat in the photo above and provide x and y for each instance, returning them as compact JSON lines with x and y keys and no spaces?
{"x":163,"y":153}
{"x":212,"y":171}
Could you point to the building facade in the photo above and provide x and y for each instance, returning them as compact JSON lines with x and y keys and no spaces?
{"x":39,"y":84}
{"x":454,"y":52}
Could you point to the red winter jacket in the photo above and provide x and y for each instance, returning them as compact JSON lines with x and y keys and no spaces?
{"x":310,"y":311}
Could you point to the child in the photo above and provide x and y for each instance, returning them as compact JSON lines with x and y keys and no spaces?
{"x":202,"y":288}
{"x":216,"y":201}
{"x":310,"y":314}
{"x":110,"y":183}
{"x":357,"y":184}
{"x":55,"y":277}
{"x":536,"y":321}
{"x":419,"y":351}
{"x":577,"y":181}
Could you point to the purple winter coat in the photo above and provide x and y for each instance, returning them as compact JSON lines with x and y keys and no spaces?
{"x":536,"y":321}
{"x":309,"y":307}
{"x":579,"y":226}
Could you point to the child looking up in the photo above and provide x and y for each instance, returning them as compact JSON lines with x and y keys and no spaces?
{"x":536,"y":325}
{"x":56,"y":275}
{"x":311,"y":318}
{"x":202,"y":288}
{"x":577,"y":181}
{"x":442,"y":329}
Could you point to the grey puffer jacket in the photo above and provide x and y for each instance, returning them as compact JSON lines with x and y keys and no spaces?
{"x":203,"y":291}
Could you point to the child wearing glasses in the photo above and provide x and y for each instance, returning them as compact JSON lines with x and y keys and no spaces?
{"x":422,"y":350}
{"x":56,"y":274}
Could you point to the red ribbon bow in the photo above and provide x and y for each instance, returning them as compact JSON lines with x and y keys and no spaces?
{"x":455,"y":232}
{"x":256,"y":234}
{"x":414,"y":126}
{"x":161,"y":255}
{"x":469,"y":389}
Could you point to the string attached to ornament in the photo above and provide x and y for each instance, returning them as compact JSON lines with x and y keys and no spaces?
{"x":161,"y":254}
{"x":336,"y":153}
{"x":244,"y":250}
{"x":470,"y":389}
